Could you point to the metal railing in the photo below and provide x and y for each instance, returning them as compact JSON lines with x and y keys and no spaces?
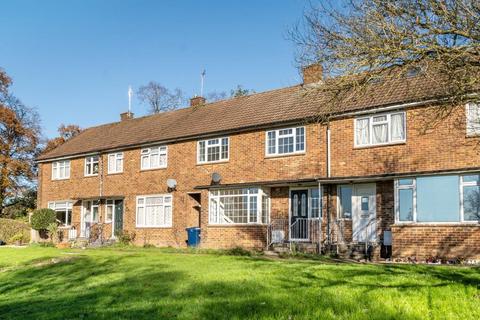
{"x":301,"y":230}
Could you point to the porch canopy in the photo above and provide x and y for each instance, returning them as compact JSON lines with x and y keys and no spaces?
{"x":274,"y":183}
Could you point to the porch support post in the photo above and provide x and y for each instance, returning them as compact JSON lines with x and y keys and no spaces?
{"x":320,"y":218}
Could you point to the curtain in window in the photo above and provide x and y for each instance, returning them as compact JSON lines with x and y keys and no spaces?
{"x":362,"y":131}
{"x":473,"y":118}
{"x":380,"y":133}
{"x":398,"y":127}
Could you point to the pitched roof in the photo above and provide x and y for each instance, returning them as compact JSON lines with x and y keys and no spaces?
{"x":257,"y":110}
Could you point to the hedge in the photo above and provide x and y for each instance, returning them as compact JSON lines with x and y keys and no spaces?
{"x":10,"y":227}
{"x":42,"y":218}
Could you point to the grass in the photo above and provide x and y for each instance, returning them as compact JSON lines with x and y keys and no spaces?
{"x":134,"y":283}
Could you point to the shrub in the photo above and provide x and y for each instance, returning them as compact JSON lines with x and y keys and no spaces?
{"x":41,"y":218}
{"x":18,"y":237}
{"x":238,"y":251}
{"x":10,"y":227}
{"x":53,"y":231}
{"x":126,"y":237}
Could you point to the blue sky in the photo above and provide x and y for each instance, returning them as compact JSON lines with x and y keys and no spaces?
{"x":74,"y":60}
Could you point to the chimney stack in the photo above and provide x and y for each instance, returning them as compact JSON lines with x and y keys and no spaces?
{"x":126,"y":116}
{"x":197,"y":101}
{"x":312,"y":73}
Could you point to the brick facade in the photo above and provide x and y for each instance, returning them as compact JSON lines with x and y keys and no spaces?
{"x":443,"y":148}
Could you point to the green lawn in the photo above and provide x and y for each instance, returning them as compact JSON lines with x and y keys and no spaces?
{"x":152,"y":283}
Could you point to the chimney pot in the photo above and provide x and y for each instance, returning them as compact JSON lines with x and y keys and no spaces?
{"x":197,"y":101}
{"x":126,"y":116}
{"x":312,"y":73}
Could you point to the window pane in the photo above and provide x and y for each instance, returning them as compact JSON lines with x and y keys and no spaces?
{"x":62,"y":216}
{"x":438,"y":199}
{"x":224,"y":148}
{"x":201,"y":151}
{"x":398,"y":127}
{"x":111,"y":163}
{"x":379,"y":119}
{"x":405,"y":182}
{"x":109,"y":213}
{"x":265,"y":211}
{"x":213,"y":153}
{"x":362,"y":134}
{"x":253,"y":209}
{"x":364,"y":203}
{"x":300,"y":139}
{"x":471,"y":178}
{"x":405,"y":204}
{"x":473,"y":118}
{"x":271,"y":142}
{"x":315,"y":203}
{"x":119,"y":165}
{"x":380,"y":133}
{"x":285,"y":145}
{"x":345,"y":202}
{"x":471,"y":203}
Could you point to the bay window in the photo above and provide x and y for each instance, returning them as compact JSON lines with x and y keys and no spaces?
{"x":154,"y":211}
{"x":115,"y":162}
{"x":213,"y":150}
{"x":285,"y":141}
{"x":63,"y":210}
{"x":154,"y":158}
{"x":380,"y":129}
{"x":239,"y":206}
{"x":91,"y":166}
{"x":61,"y":170}
{"x":446,"y":198}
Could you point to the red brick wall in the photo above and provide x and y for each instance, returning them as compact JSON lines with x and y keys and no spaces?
{"x":247,"y":163}
{"x":444,"y":241}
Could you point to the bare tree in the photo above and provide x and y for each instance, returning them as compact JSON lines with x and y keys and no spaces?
{"x":240,"y":91}
{"x":216,"y":96}
{"x":160,"y":99}
{"x":358,"y":42}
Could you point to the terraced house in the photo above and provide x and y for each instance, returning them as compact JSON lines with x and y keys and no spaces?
{"x":259,"y":171}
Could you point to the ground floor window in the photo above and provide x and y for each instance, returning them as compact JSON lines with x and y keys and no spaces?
{"x":154,"y":211}
{"x":345,"y":193}
{"x":239,"y":206}
{"x":91,"y":211}
{"x":446,"y":198}
{"x":63,"y":210}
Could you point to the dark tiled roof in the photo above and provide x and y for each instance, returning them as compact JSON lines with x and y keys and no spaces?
{"x":256,"y":110}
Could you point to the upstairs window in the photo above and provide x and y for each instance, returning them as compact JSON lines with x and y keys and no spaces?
{"x":91,"y":166}
{"x":473,"y":119}
{"x":285,"y":141}
{"x":380,"y":129}
{"x":61,"y":170}
{"x":213,"y":150}
{"x":154,"y":158}
{"x":115,"y":162}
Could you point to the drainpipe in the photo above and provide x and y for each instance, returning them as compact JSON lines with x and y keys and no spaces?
{"x":329,"y":189}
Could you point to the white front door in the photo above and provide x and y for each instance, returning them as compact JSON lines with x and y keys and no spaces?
{"x":364,"y":212}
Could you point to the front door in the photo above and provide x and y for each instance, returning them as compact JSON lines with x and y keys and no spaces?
{"x":364,"y":213}
{"x":118,"y":218}
{"x":299,"y":214}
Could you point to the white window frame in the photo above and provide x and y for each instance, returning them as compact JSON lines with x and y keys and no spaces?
{"x":147,"y":153}
{"x":472,"y":110}
{"x":90,"y":160}
{"x":259,"y":195}
{"x":462,"y":185}
{"x":68,"y":209}
{"x":397,"y":189}
{"x":371,"y":125}
{"x":207,"y":146}
{"x":309,"y":200}
{"x":109,"y":203}
{"x":339,"y":203}
{"x":169,"y":224}
{"x":57,"y":165}
{"x":277,"y":138}
{"x":414,"y":187}
{"x":115,"y":156}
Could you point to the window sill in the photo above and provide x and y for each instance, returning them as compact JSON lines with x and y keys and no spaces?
{"x":437,"y":224}
{"x":61,"y":179}
{"x":90,"y":175}
{"x":153,"y":227}
{"x":152,"y":169}
{"x":212,"y":162}
{"x":114,"y":173}
{"x":380,"y":145}
{"x":274,"y":156}
{"x":233,"y":225}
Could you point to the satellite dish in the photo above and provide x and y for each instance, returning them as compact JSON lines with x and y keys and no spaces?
{"x":171,"y":183}
{"x":216,"y":177}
